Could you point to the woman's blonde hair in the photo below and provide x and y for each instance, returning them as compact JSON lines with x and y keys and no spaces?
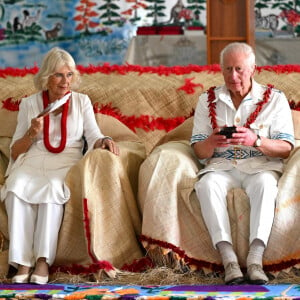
{"x":54,"y":60}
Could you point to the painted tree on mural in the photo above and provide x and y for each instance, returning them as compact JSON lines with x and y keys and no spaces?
{"x":259,"y":4}
{"x":133,"y":10}
{"x":196,"y":6}
{"x":284,"y":4}
{"x":85,"y":15}
{"x":110,"y":14}
{"x":155,"y":9}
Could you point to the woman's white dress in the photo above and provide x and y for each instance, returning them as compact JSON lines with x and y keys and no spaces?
{"x":37,"y":176}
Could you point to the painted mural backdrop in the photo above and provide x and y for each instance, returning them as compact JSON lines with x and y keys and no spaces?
{"x":93,"y":31}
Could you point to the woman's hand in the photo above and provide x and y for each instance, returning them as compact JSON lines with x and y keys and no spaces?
{"x":36,"y":126}
{"x":23,"y":144}
{"x":107,"y":143}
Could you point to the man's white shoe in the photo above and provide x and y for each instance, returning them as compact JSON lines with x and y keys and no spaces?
{"x":256,"y":274}
{"x":233,"y":273}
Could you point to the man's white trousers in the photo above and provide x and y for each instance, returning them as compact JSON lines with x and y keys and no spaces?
{"x":261,"y":188}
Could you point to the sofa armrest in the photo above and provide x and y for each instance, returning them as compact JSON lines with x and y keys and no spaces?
{"x":284,"y":244}
{"x":172,"y":221}
{"x":175,"y":159}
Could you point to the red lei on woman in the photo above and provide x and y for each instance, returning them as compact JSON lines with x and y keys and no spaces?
{"x":63,"y":122}
{"x":251,"y":118}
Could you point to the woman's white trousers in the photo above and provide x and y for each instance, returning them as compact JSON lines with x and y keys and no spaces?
{"x":33,"y":230}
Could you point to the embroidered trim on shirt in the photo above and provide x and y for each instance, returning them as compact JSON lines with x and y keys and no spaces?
{"x":198,"y":138}
{"x":283,"y":136}
{"x":237,"y":153}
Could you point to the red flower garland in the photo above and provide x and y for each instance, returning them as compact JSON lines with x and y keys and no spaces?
{"x":251,"y":118}
{"x":212,"y":106}
{"x":107,"y":68}
{"x":189,"y":86}
{"x":63,"y":141}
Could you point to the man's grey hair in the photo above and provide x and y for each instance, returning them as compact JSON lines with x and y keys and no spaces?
{"x":238,"y":47}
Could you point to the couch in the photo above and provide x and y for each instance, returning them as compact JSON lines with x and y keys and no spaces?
{"x":107,"y":223}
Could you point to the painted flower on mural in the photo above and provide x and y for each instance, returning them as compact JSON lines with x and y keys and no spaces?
{"x":290,"y":14}
{"x":84,"y":18}
{"x":185,"y":14}
{"x":2,"y":34}
{"x":291,"y":18}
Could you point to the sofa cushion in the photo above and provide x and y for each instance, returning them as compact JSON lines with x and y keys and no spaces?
{"x":114,"y":128}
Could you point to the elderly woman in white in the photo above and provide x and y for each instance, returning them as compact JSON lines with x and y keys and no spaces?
{"x":44,"y":147}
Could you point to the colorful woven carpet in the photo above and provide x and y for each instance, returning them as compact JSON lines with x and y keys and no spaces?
{"x":168,"y":292}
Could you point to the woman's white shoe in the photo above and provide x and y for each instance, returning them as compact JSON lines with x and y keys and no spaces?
{"x":39,"y":279}
{"x":24,"y":278}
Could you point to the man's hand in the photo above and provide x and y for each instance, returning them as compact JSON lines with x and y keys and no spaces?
{"x":244,"y":136}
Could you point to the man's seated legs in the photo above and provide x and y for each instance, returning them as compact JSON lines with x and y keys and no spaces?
{"x":261,"y":188}
{"x":211,"y":190}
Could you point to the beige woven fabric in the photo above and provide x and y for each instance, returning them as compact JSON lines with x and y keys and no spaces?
{"x":109,"y":183}
{"x":13,"y":88}
{"x":172,"y":214}
{"x":147,"y":94}
{"x":3,"y":264}
{"x":142,"y":94}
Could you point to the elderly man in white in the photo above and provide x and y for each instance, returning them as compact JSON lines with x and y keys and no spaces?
{"x":249,"y":156}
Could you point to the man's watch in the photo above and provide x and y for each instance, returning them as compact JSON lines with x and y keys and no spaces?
{"x":257,"y":143}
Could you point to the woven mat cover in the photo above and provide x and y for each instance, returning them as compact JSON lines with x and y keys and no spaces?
{"x":142,"y":94}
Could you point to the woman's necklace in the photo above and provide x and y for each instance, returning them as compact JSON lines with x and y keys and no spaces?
{"x":63,"y":122}
{"x":251,"y":118}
